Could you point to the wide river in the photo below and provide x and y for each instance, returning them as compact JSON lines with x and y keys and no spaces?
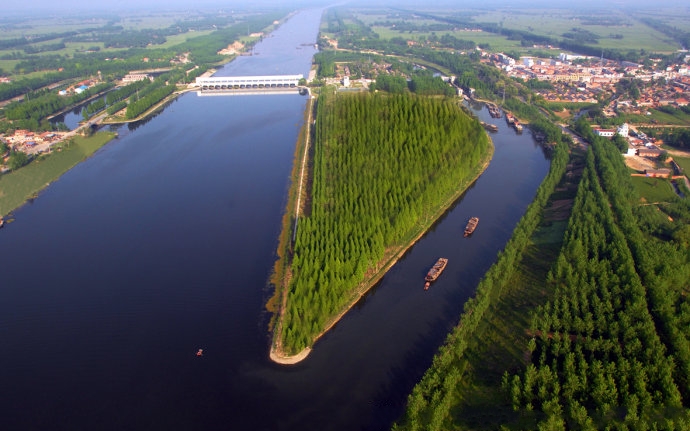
{"x":162,"y":243}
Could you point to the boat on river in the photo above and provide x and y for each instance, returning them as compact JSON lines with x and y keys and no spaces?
{"x":490,"y":127}
{"x":493,"y":110}
{"x":435,"y":271}
{"x":2,"y":222}
{"x":471,"y":225}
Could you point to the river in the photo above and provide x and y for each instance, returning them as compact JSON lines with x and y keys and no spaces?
{"x":162,"y":243}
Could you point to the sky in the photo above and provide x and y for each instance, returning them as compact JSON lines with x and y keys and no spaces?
{"x":75,"y":6}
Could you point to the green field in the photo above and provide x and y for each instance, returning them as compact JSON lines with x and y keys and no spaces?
{"x":501,"y":340}
{"x":181,"y":38}
{"x":25,"y":183}
{"x":555,"y":22}
{"x":657,"y":117}
{"x":630,"y":33}
{"x":654,"y":189}
{"x":615,"y":30}
{"x":675,"y":17}
{"x":684,"y":163}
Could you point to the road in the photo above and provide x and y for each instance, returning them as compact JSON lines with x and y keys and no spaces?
{"x":576,"y":138}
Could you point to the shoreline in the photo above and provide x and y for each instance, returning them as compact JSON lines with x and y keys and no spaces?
{"x":394,"y":255}
{"x":98,"y":140}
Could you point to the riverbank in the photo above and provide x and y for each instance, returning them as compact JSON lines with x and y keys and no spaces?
{"x":391,"y":256}
{"x":23,"y":185}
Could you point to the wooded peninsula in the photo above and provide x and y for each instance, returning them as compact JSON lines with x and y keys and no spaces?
{"x":384,"y":168}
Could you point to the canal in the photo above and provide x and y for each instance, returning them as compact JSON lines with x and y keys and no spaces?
{"x":162,"y":243}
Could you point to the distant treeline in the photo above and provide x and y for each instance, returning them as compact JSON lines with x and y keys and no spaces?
{"x":203,"y":51}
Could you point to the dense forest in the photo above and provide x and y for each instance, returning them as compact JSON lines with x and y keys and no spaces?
{"x":610,"y":349}
{"x":382,"y":165}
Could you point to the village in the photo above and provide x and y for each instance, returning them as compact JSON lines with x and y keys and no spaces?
{"x":581,"y":79}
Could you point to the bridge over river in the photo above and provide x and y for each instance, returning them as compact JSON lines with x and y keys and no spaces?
{"x":246,"y":82}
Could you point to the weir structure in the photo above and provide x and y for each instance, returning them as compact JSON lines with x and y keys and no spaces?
{"x":247,"y":82}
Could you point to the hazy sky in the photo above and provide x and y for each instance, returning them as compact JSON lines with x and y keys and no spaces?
{"x":75,"y":6}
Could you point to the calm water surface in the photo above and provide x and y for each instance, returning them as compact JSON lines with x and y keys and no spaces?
{"x":162,"y":243}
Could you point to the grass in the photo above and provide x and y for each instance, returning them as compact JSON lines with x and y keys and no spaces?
{"x":496,"y":42}
{"x":659,"y":117}
{"x":555,"y":22}
{"x":545,"y":22}
{"x":500,"y":342}
{"x":25,"y":183}
{"x":654,"y":189}
{"x":181,"y":38}
{"x":684,"y":163}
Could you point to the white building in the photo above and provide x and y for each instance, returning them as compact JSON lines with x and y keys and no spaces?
{"x":623,"y":130}
{"x":134,"y":77}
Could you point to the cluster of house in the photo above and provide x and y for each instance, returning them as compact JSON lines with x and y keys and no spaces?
{"x":673,"y":92}
{"x":638,"y":145}
{"x":77,"y":88}
{"x":32,"y":142}
{"x":581,"y":79}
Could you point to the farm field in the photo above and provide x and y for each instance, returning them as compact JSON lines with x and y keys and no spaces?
{"x":615,"y":29}
{"x":657,"y":117}
{"x":555,"y":22}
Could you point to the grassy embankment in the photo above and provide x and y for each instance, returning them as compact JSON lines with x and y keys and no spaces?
{"x":19,"y":186}
{"x":465,"y":378}
{"x":684,"y":163}
{"x":281,"y":269}
{"x":501,"y":340}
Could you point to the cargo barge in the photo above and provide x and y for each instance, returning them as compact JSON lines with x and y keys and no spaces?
{"x":511,"y":120}
{"x":435,"y":271}
{"x":493,"y":110}
{"x":471,"y":226}
{"x":490,"y":127}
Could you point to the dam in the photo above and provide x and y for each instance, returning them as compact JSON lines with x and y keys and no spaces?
{"x":247,"y":82}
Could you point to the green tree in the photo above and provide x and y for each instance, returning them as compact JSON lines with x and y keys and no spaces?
{"x":17,"y":159}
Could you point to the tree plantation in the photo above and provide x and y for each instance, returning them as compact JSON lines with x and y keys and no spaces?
{"x":611,"y":348}
{"x":608,"y":349}
{"x":383,"y":167}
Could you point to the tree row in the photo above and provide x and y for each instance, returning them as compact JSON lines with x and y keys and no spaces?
{"x":382,"y":164}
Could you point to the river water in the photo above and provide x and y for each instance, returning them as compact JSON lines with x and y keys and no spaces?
{"x":162,"y":243}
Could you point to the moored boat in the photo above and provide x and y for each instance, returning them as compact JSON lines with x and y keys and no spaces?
{"x":2,"y":222}
{"x":493,"y":110}
{"x":471,"y":225}
{"x":435,"y":271}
